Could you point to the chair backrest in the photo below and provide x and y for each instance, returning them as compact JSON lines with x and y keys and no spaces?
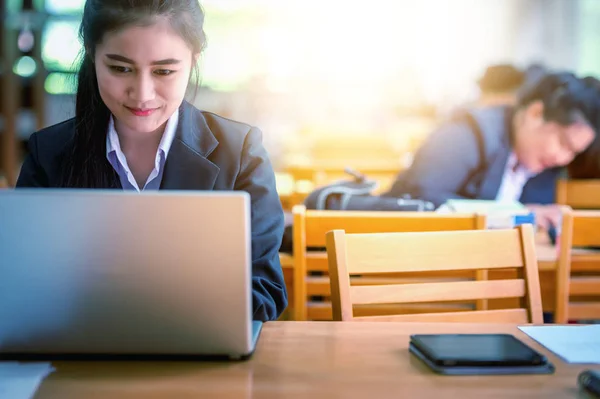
{"x":381,"y":253}
{"x":578,"y":193}
{"x":578,"y":270}
{"x":310,"y":257}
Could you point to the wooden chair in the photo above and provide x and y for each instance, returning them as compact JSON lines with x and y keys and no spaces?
{"x":578,"y":193}
{"x":379,"y":253}
{"x":578,"y":270}
{"x":310,"y":257}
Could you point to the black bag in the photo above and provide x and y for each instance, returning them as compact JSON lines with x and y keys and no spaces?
{"x":355,"y":195}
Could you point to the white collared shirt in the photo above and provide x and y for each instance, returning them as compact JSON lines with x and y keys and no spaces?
{"x":513,"y":180}
{"x":117,"y":159}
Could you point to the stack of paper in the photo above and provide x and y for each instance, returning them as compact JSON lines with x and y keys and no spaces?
{"x":574,"y":344}
{"x":499,"y":214}
{"x":484,"y":206}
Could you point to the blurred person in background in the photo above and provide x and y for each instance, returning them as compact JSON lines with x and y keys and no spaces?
{"x":499,"y":85}
{"x":511,"y":153}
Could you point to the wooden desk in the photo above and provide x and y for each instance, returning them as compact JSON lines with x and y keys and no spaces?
{"x":315,"y":360}
{"x":546,"y":255}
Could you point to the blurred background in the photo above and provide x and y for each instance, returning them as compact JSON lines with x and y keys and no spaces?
{"x":330,"y":83}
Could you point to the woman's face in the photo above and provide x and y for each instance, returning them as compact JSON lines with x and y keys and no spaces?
{"x":541,"y":145}
{"x":143,"y":73}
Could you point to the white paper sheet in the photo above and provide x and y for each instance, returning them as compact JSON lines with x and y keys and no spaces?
{"x":574,"y":344}
{"x":21,"y":380}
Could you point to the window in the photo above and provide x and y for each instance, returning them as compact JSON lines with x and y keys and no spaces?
{"x":64,"y":7}
{"x":589,"y":37}
{"x":60,"y":44}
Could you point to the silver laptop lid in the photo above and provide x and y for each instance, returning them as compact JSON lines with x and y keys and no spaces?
{"x":115,"y":272}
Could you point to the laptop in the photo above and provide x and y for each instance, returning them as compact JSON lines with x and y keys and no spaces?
{"x":110,"y":272}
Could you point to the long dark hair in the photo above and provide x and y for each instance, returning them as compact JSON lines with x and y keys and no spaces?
{"x":568,"y":99}
{"x":587,"y":164}
{"x":86,"y":165}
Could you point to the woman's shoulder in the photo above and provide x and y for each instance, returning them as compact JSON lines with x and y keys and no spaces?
{"x":224,"y":129}
{"x":494,"y":123}
{"x":484,"y":125}
{"x":491,"y":115}
{"x":226,"y":125}
{"x":55,"y":137}
{"x":227,"y":130}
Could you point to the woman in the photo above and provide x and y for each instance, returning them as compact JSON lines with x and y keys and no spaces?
{"x":133,"y":130}
{"x":509,"y":153}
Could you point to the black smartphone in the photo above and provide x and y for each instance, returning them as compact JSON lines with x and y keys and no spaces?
{"x":476,"y":350}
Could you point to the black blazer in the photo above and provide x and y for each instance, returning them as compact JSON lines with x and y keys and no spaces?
{"x":208,"y":153}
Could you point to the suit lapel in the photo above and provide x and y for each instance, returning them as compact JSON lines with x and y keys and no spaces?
{"x":187,"y":166}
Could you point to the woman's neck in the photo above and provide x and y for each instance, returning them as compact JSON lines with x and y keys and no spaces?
{"x":139,"y":143}
{"x":140,"y":151}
